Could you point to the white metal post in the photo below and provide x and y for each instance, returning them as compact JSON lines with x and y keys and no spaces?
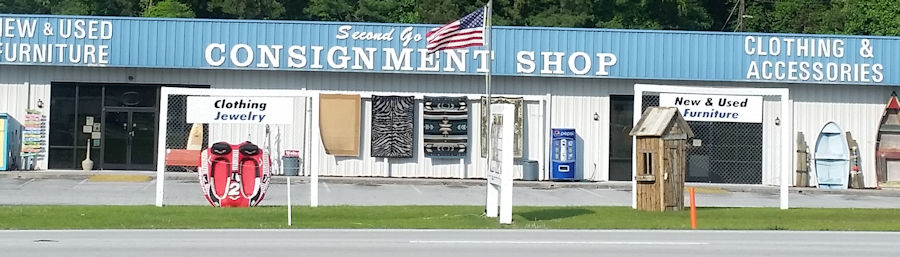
{"x":545,"y":163}
{"x":506,"y":174}
{"x":289,"y":199}
{"x":487,"y":92}
{"x":386,"y":167}
{"x":307,"y":137}
{"x":161,"y":145}
{"x":462,"y":167}
{"x":421,"y":137}
{"x":492,"y":200}
{"x":314,"y":170}
{"x":500,"y":186}
{"x":787,"y":144}
{"x":638,"y":102}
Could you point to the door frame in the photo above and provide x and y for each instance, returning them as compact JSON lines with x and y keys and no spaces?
{"x":129,"y":151}
{"x":629,"y":174}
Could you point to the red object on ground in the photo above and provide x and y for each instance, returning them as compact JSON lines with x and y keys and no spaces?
{"x":182,"y":157}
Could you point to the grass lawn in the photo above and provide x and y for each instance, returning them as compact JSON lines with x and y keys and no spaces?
{"x":440,"y":217}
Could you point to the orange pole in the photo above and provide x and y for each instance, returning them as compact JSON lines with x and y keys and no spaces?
{"x":693,"y":210}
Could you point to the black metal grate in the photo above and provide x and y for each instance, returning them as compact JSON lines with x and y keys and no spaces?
{"x":177,"y":128}
{"x":729,"y":152}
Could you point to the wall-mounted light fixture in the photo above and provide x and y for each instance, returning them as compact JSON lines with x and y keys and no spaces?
{"x":596,"y":116}
{"x":40,"y":104}
{"x":777,"y":121}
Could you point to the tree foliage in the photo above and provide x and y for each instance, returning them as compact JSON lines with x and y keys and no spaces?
{"x":169,"y":9}
{"x":793,"y":16}
{"x":659,"y":14}
{"x":863,"y":17}
{"x":247,"y":9}
{"x":866,"y":17}
{"x":25,"y":6}
{"x":331,"y":10}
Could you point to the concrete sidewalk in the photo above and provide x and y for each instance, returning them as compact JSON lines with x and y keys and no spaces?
{"x":182,"y":188}
{"x":134,"y":176}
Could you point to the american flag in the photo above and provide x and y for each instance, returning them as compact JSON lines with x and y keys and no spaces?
{"x":465,"y":32}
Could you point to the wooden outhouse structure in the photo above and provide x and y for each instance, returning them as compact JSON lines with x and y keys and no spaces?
{"x":660,"y":138}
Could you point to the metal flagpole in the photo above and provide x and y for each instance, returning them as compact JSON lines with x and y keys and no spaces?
{"x":487,"y":79}
{"x":289,"y":199}
{"x":487,"y":91}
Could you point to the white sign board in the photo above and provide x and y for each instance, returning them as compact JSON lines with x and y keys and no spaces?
{"x":240,"y":110}
{"x":497,"y":150}
{"x":500,"y":183}
{"x":718,"y":108}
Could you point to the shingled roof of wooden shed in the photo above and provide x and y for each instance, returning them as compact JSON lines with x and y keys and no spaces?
{"x":655,"y":121}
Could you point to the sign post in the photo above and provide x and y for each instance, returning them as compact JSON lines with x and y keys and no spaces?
{"x":499,"y":179}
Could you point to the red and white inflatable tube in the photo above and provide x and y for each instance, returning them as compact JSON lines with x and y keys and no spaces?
{"x":234,"y":175}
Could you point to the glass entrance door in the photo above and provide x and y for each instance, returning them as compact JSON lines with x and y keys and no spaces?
{"x":621,"y":116}
{"x":129,"y":138}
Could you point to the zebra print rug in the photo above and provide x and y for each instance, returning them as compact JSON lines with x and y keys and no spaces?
{"x":446,"y":127}
{"x":392,"y":126}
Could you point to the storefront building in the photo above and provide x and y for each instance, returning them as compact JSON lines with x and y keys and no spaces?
{"x":106,"y":72}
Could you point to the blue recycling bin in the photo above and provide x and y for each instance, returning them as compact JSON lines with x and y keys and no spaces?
{"x":562,"y":154}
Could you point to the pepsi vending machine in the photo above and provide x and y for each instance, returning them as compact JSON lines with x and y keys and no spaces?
{"x":562,"y":154}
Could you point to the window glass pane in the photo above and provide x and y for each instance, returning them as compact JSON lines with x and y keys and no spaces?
{"x":621,"y":115}
{"x":62,"y":115}
{"x":61,"y":159}
{"x":143,"y":138}
{"x":130,"y":96}
{"x":116,"y":135}
{"x":89,"y":104}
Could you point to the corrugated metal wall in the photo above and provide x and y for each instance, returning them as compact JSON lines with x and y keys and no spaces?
{"x":857,"y":109}
{"x":574,"y":101}
{"x":772,"y":172}
{"x":15,"y":98}
{"x":638,"y":54}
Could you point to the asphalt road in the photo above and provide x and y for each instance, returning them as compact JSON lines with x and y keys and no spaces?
{"x":83,"y":191}
{"x":521,"y":243}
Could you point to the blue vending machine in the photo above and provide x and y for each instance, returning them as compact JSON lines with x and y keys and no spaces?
{"x":562,"y":154}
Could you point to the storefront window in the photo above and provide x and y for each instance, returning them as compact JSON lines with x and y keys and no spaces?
{"x":130,"y":96}
{"x":61,"y":158}
{"x":62,"y":116}
{"x":89,"y":99}
{"x":79,"y":114}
